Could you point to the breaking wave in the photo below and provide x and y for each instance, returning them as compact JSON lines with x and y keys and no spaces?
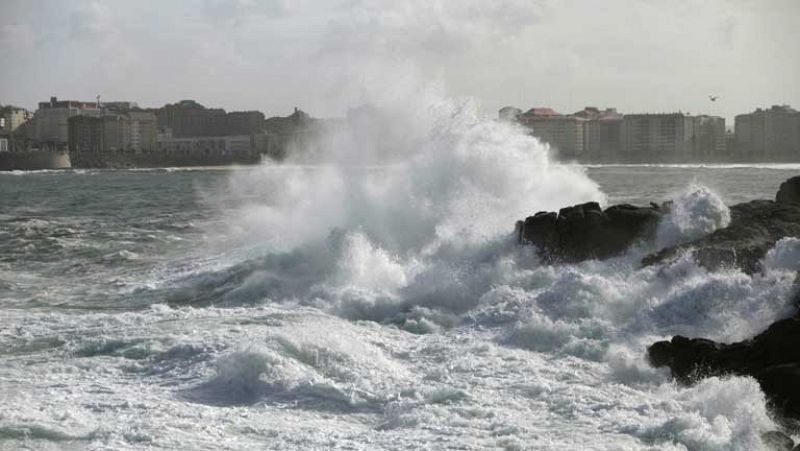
{"x":694,"y":213}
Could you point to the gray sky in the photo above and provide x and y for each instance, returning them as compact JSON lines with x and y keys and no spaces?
{"x":272,"y":55}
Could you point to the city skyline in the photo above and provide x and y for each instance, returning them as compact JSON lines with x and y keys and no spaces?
{"x":103,"y":134}
{"x":272,"y":56}
{"x":134,"y":103}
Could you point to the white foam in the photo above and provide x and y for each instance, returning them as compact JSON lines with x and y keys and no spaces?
{"x":715,"y":414}
{"x":784,"y":256}
{"x":695,"y":212}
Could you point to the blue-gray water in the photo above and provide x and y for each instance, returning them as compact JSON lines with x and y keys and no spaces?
{"x":240,"y":309}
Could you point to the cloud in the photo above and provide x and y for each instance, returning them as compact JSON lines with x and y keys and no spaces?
{"x":93,"y":20}
{"x":423,"y":26}
{"x":16,"y":36}
{"x":236,"y":12}
{"x":274,"y":54}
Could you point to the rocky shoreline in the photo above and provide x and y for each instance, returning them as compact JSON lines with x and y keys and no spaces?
{"x":585,"y":231}
{"x":772,"y":357}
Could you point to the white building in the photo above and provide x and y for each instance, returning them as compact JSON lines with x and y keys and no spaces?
{"x":769,"y":133}
{"x":50,"y":124}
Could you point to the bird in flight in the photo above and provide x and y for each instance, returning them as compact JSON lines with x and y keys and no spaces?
{"x":713,"y":98}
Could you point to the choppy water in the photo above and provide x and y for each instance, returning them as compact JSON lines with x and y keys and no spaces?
{"x":384,"y":307}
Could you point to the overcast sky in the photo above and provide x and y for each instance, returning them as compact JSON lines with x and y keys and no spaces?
{"x":272,"y":55}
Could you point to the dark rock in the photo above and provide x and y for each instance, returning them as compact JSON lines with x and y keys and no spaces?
{"x":782,"y":384}
{"x":755,"y":227}
{"x":585,"y":231}
{"x":789,"y":191}
{"x":771,"y":357}
{"x":777,"y":441}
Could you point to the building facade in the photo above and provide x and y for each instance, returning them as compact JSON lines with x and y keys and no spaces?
{"x":602,"y":134}
{"x":769,"y":134}
{"x":12,"y":126}
{"x":709,"y":139}
{"x":188,"y":118}
{"x":658,"y":137}
{"x":50,"y":124}
{"x":564,"y":133}
{"x":236,"y":147}
{"x":244,"y":122}
{"x":143,"y":131}
{"x":11,"y":118}
{"x":95,"y":140}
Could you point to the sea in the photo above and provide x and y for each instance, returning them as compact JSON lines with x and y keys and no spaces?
{"x":370,"y":304}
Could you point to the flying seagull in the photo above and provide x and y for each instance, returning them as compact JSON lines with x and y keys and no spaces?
{"x":713,"y":98}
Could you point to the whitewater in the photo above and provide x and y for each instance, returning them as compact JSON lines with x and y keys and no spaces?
{"x":369,"y":293}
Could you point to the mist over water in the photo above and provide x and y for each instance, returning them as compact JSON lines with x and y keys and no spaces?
{"x":373,"y":299}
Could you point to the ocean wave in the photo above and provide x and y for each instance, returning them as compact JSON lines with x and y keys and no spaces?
{"x":386,"y":306}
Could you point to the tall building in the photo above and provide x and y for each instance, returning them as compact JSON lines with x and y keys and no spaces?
{"x":50,"y":124}
{"x":244,"y":122}
{"x":602,"y":133}
{"x":86,"y":138}
{"x":658,"y":137}
{"x":93,"y":140}
{"x":773,"y":133}
{"x":143,"y":131}
{"x":188,"y":118}
{"x":13,"y":122}
{"x":709,"y":138}
{"x":11,"y":118}
{"x":564,"y":133}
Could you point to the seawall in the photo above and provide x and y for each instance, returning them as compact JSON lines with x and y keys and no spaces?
{"x":34,"y":160}
{"x":155,"y":160}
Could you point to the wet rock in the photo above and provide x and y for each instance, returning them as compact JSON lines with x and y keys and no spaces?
{"x":771,"y":357}
{"x":782,"y":384}
{"x":777,"y":441}
{"x":754,"y":229}
{"x":789,"y":191}
{"x":585,"y":231}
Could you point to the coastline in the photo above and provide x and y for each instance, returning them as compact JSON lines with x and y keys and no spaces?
{"x":34,"y":160}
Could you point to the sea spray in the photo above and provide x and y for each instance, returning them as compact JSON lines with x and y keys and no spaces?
{"x":693,"y":213}
{"x":454,"y":177}
{"x":785,"y":256}
{"x":421,"y":188}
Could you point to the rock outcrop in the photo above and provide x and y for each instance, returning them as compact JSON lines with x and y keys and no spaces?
{"x":586,"y":231}
{"x":772,"y":358}
{"x":754,"y":229}
{"x":789,"y":191}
